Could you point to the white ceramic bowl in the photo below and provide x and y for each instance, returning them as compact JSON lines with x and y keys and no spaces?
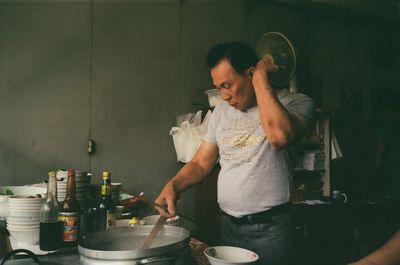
{"x":24,"y":214}
{"x":213,"y":97}
{"x":20,"y":191}
{"x":225,"y":255}
{"x":24,"y":208}
{"x":24,"y":190}
{"x":23,"y":227}
{"x":31,"y":202}
{"x":23,"y":222}
{"x":27,"y":237}
{"x":25,"y":199}
{"x":23,"y":219}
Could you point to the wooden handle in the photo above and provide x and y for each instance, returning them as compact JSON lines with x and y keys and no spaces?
{"x":154,"y":232}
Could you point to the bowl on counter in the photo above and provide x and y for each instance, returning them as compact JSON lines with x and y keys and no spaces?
{"x":19,"y":192}
{"x":26,"y":236}
{"x":226,"y":255}
{"x":23,"y":190}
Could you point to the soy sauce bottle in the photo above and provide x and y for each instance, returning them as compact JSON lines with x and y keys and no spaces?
{"x":106,"y":208}
{"x":69,"y":214}
{"x":50,"y":228}
{"x":89,"y":217}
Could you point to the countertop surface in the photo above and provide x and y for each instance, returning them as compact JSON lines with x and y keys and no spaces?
{"x":69,"y":259}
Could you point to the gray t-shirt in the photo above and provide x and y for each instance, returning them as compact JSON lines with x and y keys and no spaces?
{"x":254,"y":176}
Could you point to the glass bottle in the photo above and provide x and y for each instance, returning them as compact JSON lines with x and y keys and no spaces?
{"x":106,"y":209}
{"x":89,"y":218}
{"x":50,"y":228}
{"x":69,"y":214}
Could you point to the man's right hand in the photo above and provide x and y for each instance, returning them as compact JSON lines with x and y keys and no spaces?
{"x":189,"y":175}
{"x":166,"y":201}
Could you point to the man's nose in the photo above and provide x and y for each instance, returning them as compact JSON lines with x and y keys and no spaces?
{"x":225,"y":96}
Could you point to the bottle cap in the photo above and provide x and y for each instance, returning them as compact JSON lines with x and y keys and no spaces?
{"x":106,"y":175}
{"x":134,"y":221}
{"x":71,"y":172}
{"x":52,"y":173}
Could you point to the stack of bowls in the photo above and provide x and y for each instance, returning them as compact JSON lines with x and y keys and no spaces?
{"x":23,"y":219}
{"x":61,"y":190}
{"x":82,"y":187}
{"x":115,"y":191}
{"x":17,"y":190}
{"x":62,"y":177}
{"x":82,"y":182}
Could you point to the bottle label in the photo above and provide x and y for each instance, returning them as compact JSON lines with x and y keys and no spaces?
{"x":70,"y":225}
{"x":105,"y":190}
{"x":110,"y":219}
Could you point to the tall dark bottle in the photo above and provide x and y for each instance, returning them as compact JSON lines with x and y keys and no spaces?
{"x":106,"y":209}
{"x":89,"y":218}
{"x":50,"y":228}
{"x":69,"y":214}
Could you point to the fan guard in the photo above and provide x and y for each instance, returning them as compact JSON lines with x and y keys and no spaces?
{"x":278,"y":49}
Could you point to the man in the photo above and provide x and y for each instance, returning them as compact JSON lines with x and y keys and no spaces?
{"x":250,"y":132}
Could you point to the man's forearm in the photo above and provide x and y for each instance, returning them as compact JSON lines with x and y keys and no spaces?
{"x":191,"y":174}
{"x":275,"y":119}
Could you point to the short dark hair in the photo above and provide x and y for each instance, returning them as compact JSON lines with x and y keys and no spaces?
{"x":240,"y":55}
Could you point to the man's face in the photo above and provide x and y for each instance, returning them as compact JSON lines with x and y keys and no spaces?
{"x":234,"y":88}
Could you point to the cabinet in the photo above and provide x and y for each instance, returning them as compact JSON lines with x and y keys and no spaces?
{"x":313,"y":155}
{"x":323,"y":234}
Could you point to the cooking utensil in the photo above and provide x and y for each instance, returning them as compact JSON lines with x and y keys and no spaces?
{"x":121,"y":245}
{"x":154,"y":232}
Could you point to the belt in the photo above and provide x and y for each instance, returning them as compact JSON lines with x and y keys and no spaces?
{"x":261,"y":217}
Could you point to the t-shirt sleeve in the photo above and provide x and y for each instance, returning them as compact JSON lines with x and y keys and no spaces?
{"x":212,"y":125}
{"x":302,"y":107}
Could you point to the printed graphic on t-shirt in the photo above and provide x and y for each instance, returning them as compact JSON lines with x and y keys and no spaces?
{"x":240,"y":141}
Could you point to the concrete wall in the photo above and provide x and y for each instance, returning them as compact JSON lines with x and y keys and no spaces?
{"x":119,"y":72}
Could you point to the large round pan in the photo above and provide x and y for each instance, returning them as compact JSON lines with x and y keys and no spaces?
{"x":123,"y":243}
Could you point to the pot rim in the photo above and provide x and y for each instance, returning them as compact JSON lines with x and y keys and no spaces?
{"x":183,"y":238}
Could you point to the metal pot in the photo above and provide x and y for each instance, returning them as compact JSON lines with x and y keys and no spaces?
{"x":121,"y":246}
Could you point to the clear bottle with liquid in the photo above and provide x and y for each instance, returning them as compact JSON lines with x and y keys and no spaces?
{"x":50,"y":228}
{"x":106,"y":208}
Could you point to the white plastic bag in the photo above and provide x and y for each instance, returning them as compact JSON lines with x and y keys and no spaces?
{"x":188,"y":136}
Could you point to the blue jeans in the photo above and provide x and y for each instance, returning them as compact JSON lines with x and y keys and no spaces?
{"x":271,"y":240}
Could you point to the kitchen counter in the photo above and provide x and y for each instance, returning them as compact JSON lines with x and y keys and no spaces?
{"x":73,"y":258}
{"x":69,"y":259}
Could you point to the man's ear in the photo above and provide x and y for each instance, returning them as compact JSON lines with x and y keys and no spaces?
{"x":250,"y":71}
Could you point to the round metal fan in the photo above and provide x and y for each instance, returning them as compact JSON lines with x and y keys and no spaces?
{"x":278,"y":49}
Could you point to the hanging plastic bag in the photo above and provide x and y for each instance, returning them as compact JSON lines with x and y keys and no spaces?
{"x":188,"y":136}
